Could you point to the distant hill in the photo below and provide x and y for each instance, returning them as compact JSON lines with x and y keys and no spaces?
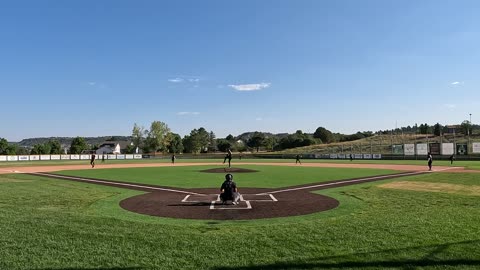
{"x":378,"y":144}
{"x":247,"y":135}
{"x":66,"y":141}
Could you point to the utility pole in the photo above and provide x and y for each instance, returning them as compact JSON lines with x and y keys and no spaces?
{"x":415,"y":142}
{"x":470,"y":127}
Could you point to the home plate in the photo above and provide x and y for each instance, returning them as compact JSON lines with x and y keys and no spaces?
{"x":242,"y":205}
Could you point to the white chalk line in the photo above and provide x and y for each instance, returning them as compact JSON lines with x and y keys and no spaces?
{"x":341,"y":182}
{"x":12,"y":171}
{"x":116,"y":183}
{"x":446,"y":169}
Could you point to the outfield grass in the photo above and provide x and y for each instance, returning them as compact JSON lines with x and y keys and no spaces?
{"x":189,"y":177}
{"x":473,"y":165}
{"x":54,"y":224}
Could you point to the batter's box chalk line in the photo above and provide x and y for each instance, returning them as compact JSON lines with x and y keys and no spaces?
{"x":215,"y":202}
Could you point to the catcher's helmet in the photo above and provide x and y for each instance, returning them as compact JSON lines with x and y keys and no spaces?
{"x":229,"y":177}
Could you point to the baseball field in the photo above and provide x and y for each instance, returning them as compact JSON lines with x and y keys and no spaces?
{"x":317,"y":215}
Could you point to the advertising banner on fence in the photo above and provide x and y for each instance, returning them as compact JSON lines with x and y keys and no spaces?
{"x":462,"y":149}
{"x":367,"y":156}
{"x":55,"y":157}
{"x":23,"y":158}
{"x":3,"y":158}
{"x":137,"y":156}
{"x":476,"y":148}
{"x":112,"y":156}
{"x":85,"y":157}
{"x":358,"y":156}
{"x":342,"y":156}
{"x":447,"y":149}
{"x":422,"y":149}
{"x":131,"y":156}
{"x":44,"y":157}
{"x":333,"y":156}
{"x":120,"y":156}
{"x":34,"y":157}
{"x":397,"y":149}
{"x":62,"y":157}
{"x":377,"y":156}
{"x":434,"y":148}
{"x":74,"y":156}
{"x":12,"y":158}
{"x":409,"y":149}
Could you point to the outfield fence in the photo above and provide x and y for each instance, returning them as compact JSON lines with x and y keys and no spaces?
{"x":66,"y":157}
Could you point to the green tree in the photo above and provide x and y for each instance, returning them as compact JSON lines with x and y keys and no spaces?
{"x":137,"y":135}
{"x":466,"y":127}
{"x":157,"y":136}
{"x":203,"y":137}
{"x":425,"y":129}
{"x":230,"y":138}
{"x":223,"y":145}
{"x":212,"y":142}
{"x":78,"y":145}
{"x":189,"y":144}
{"x":437,"y":129}
{"x":176,"y":145}
{"x":257,"y":140}
{"x":55,"y":147}
{"x":323,"y":134}
{"x":3,"y":146}
{"x":270,"y":142}
{"x":40,"y":149}
{"x":22,"y":151}
{"x":130,"y":149}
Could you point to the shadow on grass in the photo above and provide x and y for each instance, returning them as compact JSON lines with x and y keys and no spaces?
{"x":381,"y":259}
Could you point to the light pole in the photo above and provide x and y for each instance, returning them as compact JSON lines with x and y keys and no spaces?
{"x":469,"y":127}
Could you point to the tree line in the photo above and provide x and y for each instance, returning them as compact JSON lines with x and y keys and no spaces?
{"x":159,"y":138}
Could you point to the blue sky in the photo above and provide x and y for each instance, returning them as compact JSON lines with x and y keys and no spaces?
{"x":94,"y":68}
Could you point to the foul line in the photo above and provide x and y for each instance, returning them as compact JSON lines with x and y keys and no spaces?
{"x":343,"y":182}
{"x":115,"y":183}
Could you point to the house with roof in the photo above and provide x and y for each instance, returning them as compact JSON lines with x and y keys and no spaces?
{"x":112,"y":147}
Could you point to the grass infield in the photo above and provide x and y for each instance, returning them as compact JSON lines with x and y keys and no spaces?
{"x":55,"y":224}
{"x":190,"y":177}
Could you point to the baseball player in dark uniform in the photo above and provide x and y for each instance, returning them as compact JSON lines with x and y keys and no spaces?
{"x":297,"y":159}
{"x":228,"y":190}
{"x":92,"y":160}
{"x":229,"y":157}
{"x":430,"y":161}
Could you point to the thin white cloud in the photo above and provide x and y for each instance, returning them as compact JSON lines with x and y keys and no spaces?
{"x":188,"y":113}
{"x":258,"y":119}
{"x":457,"y":83}
{"x":450,"y":106}
{"x":250,"y":87}
{"x":176,"y":80}
{"x":181,"y":79}
{"x":92,"y":83}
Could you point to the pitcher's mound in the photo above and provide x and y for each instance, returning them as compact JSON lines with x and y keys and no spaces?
{"x":228,"y":170}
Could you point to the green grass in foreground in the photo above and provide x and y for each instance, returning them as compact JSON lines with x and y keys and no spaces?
{"x":190,"y":177}
{"x":52,"y":224}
